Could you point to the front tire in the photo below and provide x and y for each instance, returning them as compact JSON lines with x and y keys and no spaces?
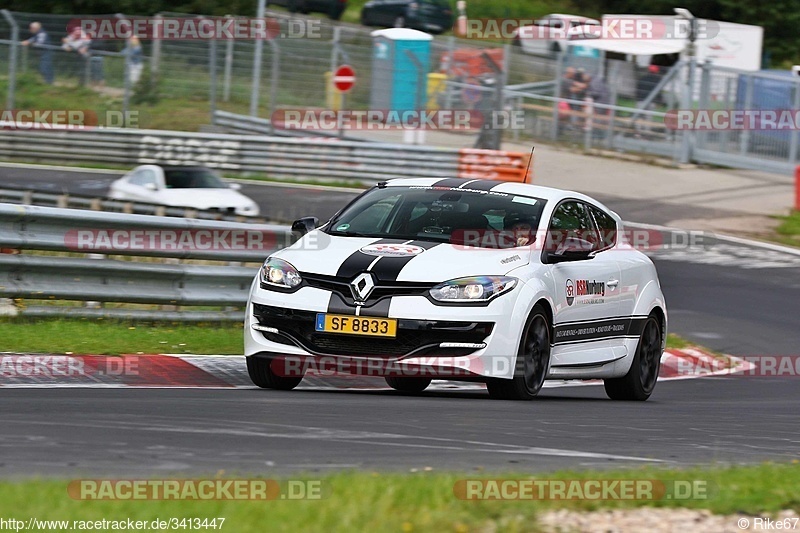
{"x":262,"y":375}
{"x":408,"y":384}
{"x":639,"y":382}
{"x":533,"y":362}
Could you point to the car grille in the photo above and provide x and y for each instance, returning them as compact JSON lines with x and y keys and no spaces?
{"x":417,"y":337}
{"x":382,"y":289}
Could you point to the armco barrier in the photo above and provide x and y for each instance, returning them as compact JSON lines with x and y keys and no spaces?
{"x":94,"y":203}
{"x":85,"y":278}
{"x":320,"y":159}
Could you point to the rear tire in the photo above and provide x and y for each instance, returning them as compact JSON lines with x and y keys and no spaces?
{"x":533,"y":362}
{"x":639,"y":382}
{"x":408,"y":384}
{"x":261,"y":374}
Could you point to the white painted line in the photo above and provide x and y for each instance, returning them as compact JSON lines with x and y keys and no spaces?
{"x":723,"y":237}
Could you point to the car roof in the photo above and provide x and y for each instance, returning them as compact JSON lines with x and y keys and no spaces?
{"x":509,"y":187}
{"x":183,"y":167}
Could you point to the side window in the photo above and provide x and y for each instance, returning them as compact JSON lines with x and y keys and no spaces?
{"x":373,"y":218}
{"x":607,"y":228}
{"x":571,"y":220}
{"x":143,"y":177}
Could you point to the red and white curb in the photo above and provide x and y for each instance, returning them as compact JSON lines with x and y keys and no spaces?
{"x":230,"y":371}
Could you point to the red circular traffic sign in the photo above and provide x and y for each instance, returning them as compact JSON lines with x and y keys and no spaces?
{"x":344,"y":78}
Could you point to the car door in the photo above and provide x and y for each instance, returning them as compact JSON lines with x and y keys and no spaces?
{"x":586,"y":296}
{"x":628,"y":263}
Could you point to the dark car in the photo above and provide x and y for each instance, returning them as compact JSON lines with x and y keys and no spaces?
{"x":432,"y":16}
{"x":332,"y":8}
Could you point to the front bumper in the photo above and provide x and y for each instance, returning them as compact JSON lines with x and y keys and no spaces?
{"x":450,"y":342}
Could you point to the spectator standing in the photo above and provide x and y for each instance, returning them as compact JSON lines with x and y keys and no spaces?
{"x":578,"y":87}
{"x":78,"y":42}
{"x":133,"y":52}
{"x":39,"y":41}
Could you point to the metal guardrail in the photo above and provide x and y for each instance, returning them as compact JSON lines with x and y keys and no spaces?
{"x":271,"y":155}
{"x":98,"y":278}
{"x":94,"y":203}
{"x":244,"y":124}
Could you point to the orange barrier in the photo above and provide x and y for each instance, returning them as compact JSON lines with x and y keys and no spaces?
{"x":494,"y":165}
{"x":797,"y":187}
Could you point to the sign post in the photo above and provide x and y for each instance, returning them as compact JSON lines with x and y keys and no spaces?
{"x":343,"y":80}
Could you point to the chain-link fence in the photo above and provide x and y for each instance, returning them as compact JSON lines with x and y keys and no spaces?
{"x":596,"y":101}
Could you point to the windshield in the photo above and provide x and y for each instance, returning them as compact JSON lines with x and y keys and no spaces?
{"x":439,"y":214}
{"x":192,"y":178}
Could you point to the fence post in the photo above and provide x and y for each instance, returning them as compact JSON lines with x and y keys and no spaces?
{"x":793,"y":135}
{"x":274,"y":78}
{"x":12,"y":58}
{"x":256,"y":85}
{"x":155,"y":60}
{"x":612,"y":112}
{"x":212,"y":67}
{"x":744,"y":138}
{"x":703,"y":103}
{"x":724,"y":136}
{"x":226,"y":87}
{"x":686,"y":140}
{"x":588,"y":123}
{"x":557,"y":94}
{"x":448,"y":95}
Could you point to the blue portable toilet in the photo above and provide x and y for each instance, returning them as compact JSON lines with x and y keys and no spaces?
{"x":396,"y":79}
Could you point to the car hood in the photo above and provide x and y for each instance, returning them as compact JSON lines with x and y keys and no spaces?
{"x":320,"y":253}
{"x":204,"y":198}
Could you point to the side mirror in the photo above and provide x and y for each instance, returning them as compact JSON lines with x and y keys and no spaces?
{"x":151,"y":187}
{"x":235,"y":186}
{"x":305,"y":225}
{"x":572,"y":249}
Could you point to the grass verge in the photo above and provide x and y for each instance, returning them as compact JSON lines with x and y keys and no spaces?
{"x":113,"y":337}
{"x":423,"y":501}
{"x":788,"y":231}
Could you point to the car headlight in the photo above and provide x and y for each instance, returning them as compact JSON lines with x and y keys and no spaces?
{"x":473,"y":289}
{"x":280,"y":274}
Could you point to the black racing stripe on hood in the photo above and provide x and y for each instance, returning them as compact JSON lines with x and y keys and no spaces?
{"x":388,"y":268}
{"x":483,"y":185}
{"x":450,"y":182}
{"x":358,"y":261}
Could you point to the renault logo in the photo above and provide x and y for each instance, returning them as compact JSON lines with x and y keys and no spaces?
{"x":362,"y":286}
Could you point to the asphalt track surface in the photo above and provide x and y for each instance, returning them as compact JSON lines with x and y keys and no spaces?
{"x":729,"y":296}
{"x":67,"y":432}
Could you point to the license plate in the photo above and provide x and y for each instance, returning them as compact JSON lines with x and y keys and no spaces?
{"x":357,"y":325}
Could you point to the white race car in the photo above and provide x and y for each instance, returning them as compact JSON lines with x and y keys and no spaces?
{"x":418,"y":279}
{"x":182,"y":186}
